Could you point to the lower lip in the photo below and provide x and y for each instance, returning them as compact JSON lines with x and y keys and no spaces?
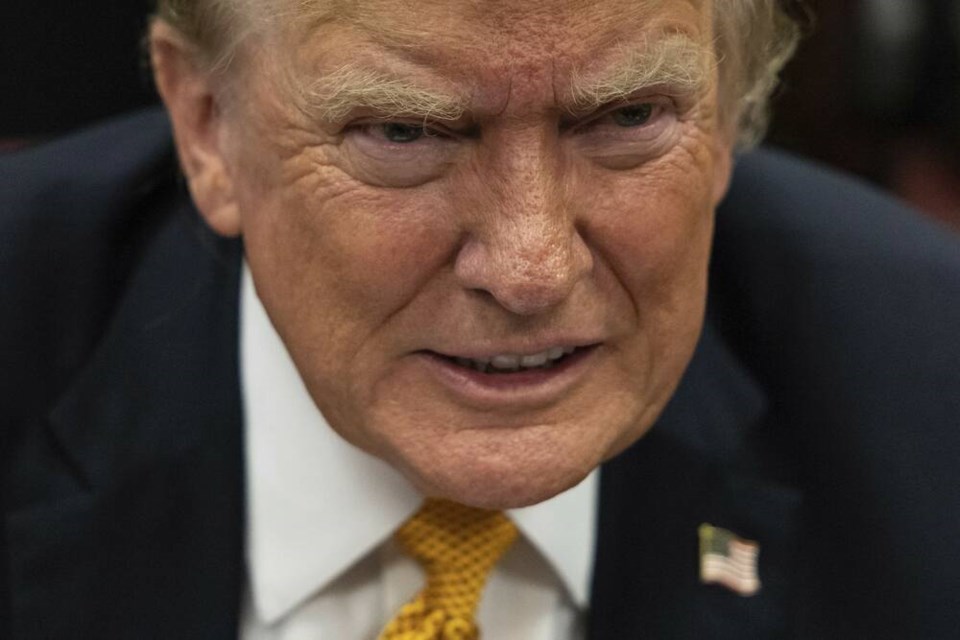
{"x":535,"y":386}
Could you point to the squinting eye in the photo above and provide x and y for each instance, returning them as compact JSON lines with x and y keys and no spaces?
{"x":635,"y":115}
{"x":398,"y":153}
{"x":400,"y":132}
{"x":625,"y":136}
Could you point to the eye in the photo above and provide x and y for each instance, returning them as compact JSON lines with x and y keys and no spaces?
{"x":626,"y":135}
{"x":635,"y":115}
{"x":398,"y":153}
{"x":628,"y":120}
{"x":401,"y":132}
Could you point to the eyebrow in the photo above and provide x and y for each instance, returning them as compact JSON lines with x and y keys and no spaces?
{"x":676,"y":62}
{"x":337,"y":94}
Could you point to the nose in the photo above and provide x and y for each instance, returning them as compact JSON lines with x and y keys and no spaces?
{"x":524,"y":248}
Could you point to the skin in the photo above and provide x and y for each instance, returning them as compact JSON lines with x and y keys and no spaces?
{"x":524,"y":223}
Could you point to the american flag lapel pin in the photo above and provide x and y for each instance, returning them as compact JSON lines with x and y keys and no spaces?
{"x":728,"y":560}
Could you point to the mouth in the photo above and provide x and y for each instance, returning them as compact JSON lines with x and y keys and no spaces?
{"x":515,"y":365}
{"x":513,"y":380}
{"x":509,"y":363}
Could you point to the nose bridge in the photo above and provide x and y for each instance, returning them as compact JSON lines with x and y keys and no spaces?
{"x":525,"y":250}
{"x":532,"y":227}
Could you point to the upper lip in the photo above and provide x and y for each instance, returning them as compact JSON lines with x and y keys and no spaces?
{"x":524,"y":349}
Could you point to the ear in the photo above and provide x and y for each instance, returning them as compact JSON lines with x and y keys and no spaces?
{"x":722,"y":167}
{"x":189,"y":94}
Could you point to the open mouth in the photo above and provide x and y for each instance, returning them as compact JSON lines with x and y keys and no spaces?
{"x":505,"y":364}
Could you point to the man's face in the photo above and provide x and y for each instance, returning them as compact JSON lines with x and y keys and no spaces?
{"x":482,"y":227}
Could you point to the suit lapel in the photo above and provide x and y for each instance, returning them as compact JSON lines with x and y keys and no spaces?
{"x":133,"y":525}
{"x":656,"y":494}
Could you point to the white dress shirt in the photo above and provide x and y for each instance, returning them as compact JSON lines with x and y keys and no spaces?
{"x":321,"y":513}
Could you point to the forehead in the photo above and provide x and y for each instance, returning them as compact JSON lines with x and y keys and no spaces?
{"x":495,"y":22}
{"x":491,"y":43}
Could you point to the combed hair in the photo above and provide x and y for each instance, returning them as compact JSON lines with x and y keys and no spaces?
{"x":755,"y":39}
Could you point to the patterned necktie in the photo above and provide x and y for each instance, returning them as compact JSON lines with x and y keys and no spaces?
{"x":457,"y":547}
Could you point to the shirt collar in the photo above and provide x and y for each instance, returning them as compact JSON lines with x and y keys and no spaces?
{"x":316,"y":504}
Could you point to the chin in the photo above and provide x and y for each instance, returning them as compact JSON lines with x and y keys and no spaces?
{"x":502,"y":493}
{"x":503,"y":476}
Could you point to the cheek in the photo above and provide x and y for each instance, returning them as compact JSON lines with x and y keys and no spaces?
{"x":363,"y":252}
{"x":655,"y":229}
{"x":335,"y":264}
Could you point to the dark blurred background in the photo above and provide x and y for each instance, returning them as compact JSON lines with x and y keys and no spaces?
{"x":64,"y":64}
{"x":875,"y":89}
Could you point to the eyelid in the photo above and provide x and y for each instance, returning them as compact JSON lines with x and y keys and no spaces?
{"x":377,"y":160}
{"x":589,"y":104}
{"x":660,"y":102}
{"x":372,"y":122}
{"x":435,"y":128}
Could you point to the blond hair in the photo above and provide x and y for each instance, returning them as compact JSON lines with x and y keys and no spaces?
{"x":754,"y":40}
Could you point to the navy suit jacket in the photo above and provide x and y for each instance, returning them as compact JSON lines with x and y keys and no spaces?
{"x":820,"y":415}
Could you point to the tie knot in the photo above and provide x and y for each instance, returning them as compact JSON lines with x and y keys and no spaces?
{"x":457,"y":547}
{"x":445,"y":536}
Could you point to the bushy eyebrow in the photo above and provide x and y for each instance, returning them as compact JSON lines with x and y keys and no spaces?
{"x":337,"y":94}
{"x":675,"y":62}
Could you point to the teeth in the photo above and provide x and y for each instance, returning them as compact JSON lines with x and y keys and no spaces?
{"x":537,"y":360}
{"x":508,"y":363}
{"x":512,"y":362}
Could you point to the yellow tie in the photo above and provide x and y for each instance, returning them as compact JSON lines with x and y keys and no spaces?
{"x":457,"y":547}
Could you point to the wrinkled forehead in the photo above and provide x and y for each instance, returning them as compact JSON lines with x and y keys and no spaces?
{"x":492,"y":24}
{"x":498,"y":21}
{"x":490,"y":42}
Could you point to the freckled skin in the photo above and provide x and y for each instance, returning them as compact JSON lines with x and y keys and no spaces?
{"x":518,"y":232}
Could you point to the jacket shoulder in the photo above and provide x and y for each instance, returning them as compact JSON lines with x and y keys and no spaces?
{"x":67,"y":181}
{"x":803,"y":253}
{"x":73,"y":216}
{"x":810,"y":209}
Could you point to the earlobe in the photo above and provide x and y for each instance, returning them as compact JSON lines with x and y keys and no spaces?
{"x":187,"y":91}
{"x":722,"y":171}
